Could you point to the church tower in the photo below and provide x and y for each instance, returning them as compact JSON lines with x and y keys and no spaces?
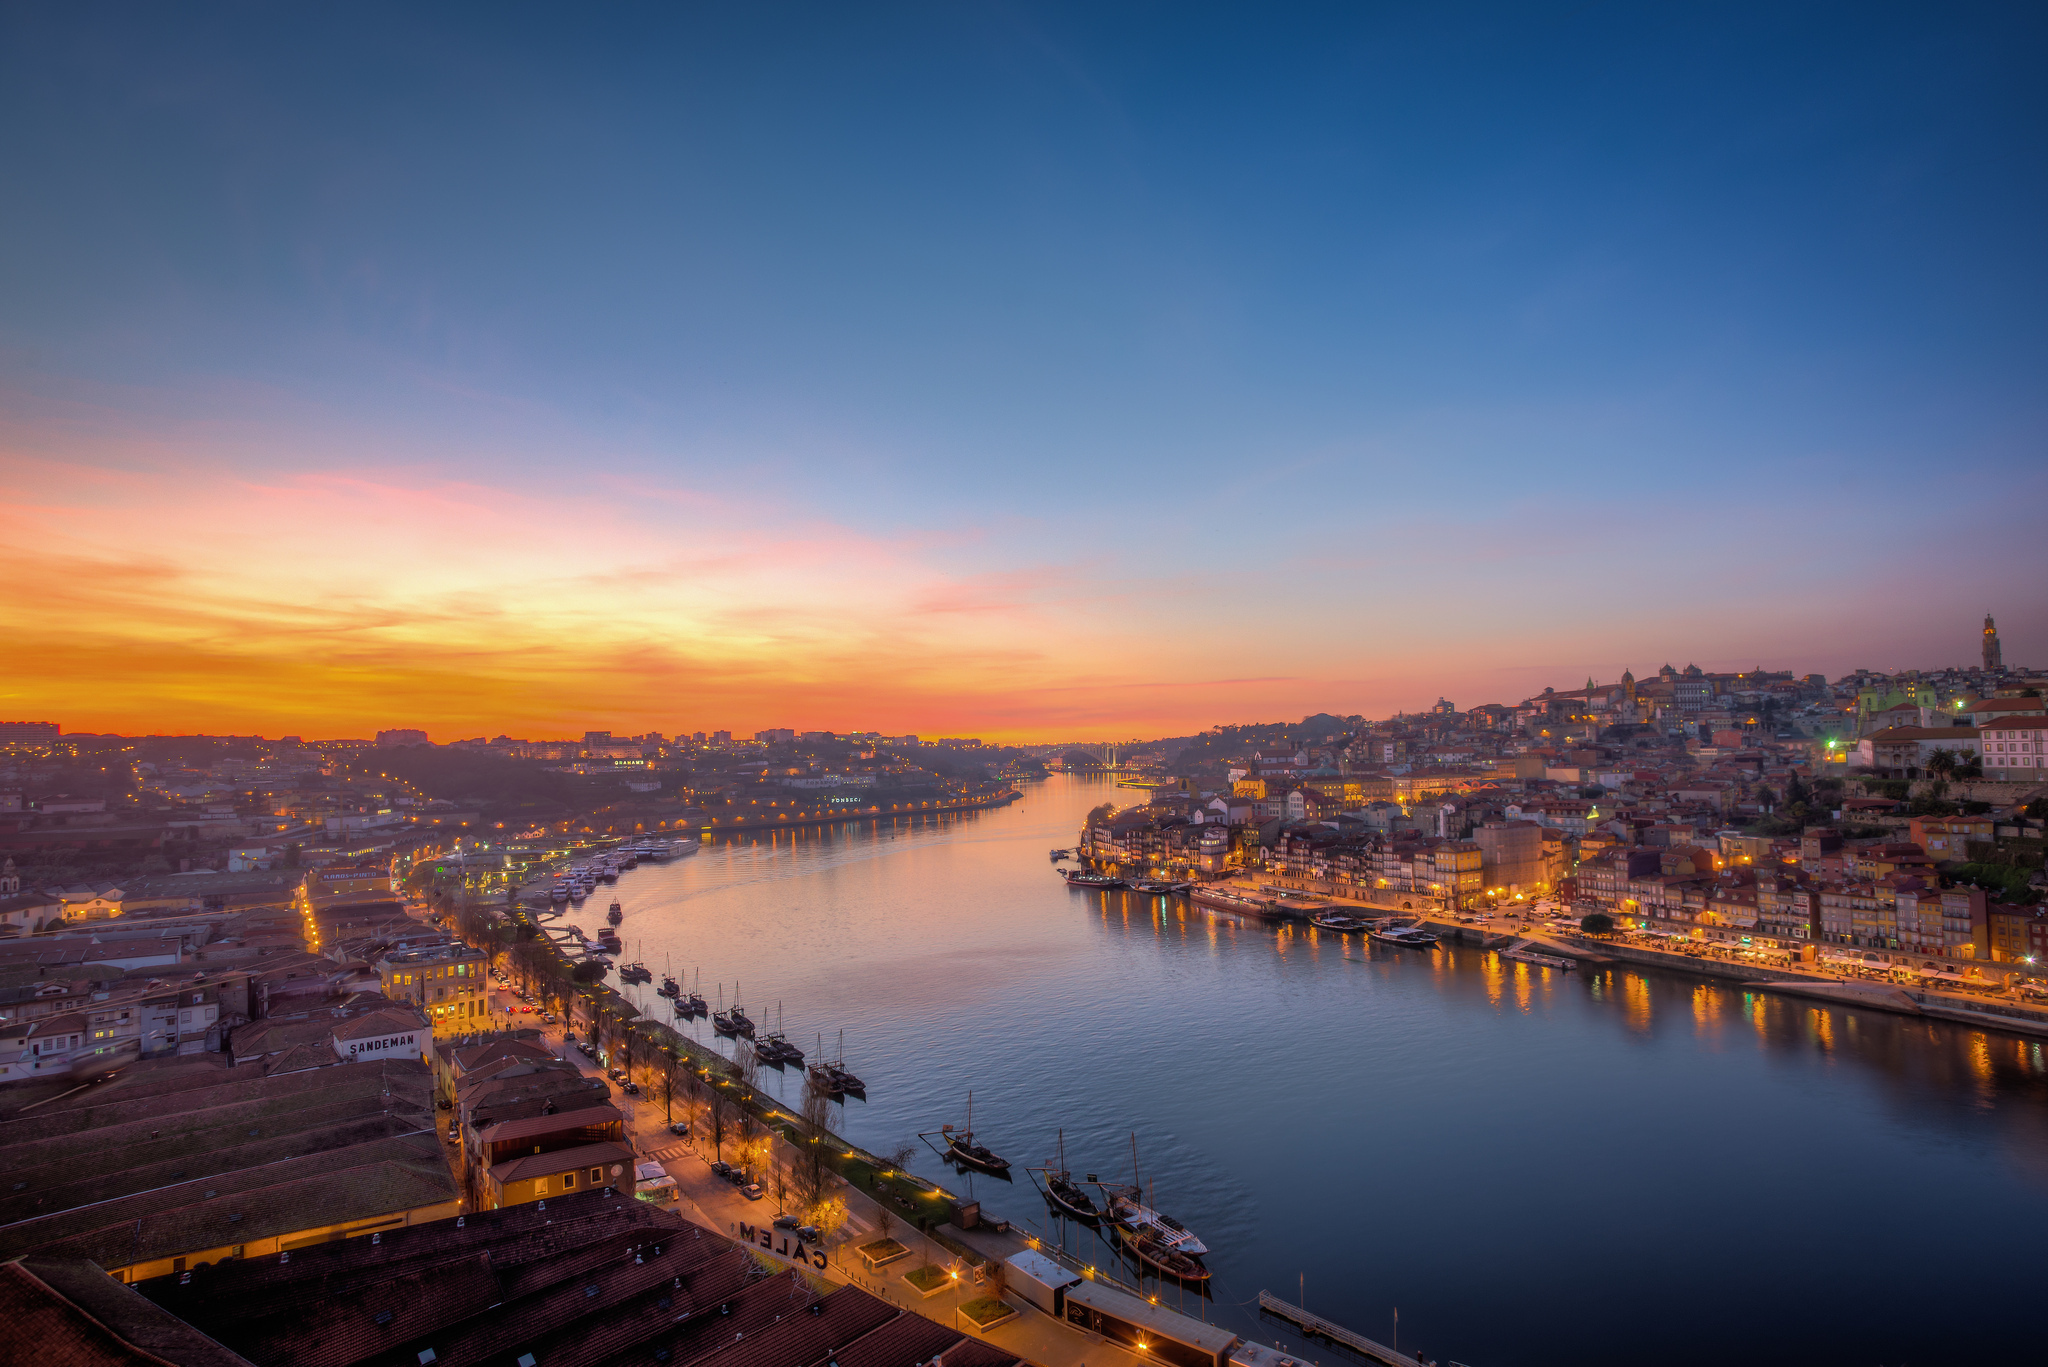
{"x":1993,"y":657}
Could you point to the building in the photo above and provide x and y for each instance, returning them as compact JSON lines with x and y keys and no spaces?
{"x":393,"y":739}
{"x":28,"y":732}
{"x":586,"y":1279}
{"x":198,"y":1163}
{"x":398,"y":1032}
{"x":1511,"y":854}
{"x":445,"y":982}
{"x":2016,"y":749}
{"x":1994,"y":656}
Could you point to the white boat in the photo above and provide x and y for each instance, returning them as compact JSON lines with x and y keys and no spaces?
{"x":1413,"y":937}
{"x":1529,"y":956}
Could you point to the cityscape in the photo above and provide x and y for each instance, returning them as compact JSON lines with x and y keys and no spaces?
{"x":632,"y":729}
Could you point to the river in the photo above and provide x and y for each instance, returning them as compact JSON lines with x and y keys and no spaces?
{"x":1532,"y":1167}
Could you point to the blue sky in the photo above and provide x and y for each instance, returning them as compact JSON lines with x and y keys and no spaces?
{"x":1481,"y":341}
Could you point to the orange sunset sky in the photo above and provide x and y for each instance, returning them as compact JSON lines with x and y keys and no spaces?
{"x":540,"y":376}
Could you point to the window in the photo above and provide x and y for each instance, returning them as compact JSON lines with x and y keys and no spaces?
{"x":540,"y":1186}
{"x":597,"y":1174}
{"x":568,"y":1181}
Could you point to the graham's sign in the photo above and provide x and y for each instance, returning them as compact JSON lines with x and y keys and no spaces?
{"x":785,"y":1246}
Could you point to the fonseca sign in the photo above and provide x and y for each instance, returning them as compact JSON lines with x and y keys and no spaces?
{"x":789,"y":1247}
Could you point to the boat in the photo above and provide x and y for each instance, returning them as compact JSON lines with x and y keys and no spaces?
{"x":635,"y":973}
{"x":1336,"y":920}
{"x":669,"y":987}
{"x":832,"y":1078}
{"x":1159,"y":887}
{"x":617,"y":914}
{"x":961,"y":1148}
{"x":733,"y":1021}
{"x":774,"y":1048}
{"x":1082,"y":878}
{"x":1058,"y":855}
{"x":1529,"y":956}
{"x":559,"y":893}
{"x":1161,"y":1257}
{"x":1064,"y":1193}
{"x":1412,"y":937}
{"x":1133,"y":1215}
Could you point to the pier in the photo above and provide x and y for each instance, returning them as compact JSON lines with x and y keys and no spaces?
{"x":1335,"y":1333}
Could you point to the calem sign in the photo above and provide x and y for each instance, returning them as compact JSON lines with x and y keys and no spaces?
{"x":789,"y":1246}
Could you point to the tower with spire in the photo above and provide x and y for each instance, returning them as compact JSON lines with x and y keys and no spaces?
{"x":1994,"y":658}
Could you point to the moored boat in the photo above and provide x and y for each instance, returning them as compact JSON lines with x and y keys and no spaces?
{"x":1162,"y":1258}
{"x":961,"y":1148}
{"x":1063,"y":1193}
{"x":1082,"y":878}
{"x":1410,"y":937}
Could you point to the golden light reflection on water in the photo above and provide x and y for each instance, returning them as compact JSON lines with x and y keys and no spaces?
{"x":1492,"y":977}
{"x":1820,"y":1027}
{"x":1524,"y":986}
{"x":1635,"y":995}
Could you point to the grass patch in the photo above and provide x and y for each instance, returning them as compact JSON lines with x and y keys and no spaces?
{"x":928,"y":1280}
{"x":986,"y":1311}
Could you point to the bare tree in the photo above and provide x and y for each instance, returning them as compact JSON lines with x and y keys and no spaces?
{"x":720,"y":1120}
{"x":817,"y":1117}
{"x":749,"y":1065}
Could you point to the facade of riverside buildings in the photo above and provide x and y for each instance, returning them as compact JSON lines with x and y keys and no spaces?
{"x":1634,"y":798}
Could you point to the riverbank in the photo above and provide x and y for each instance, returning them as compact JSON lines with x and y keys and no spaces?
{"x":877,"y":812}
{"x":1268,"y":898}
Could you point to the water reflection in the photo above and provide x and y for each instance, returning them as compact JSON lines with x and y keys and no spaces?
{"x":1294,"y":1088}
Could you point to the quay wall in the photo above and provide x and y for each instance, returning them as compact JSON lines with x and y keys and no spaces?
{"x":810,"y":819}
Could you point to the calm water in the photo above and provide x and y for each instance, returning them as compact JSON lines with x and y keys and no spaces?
{"x":1533,"y":1167}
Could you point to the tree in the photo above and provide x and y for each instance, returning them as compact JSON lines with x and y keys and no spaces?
{"x":1941,"y":763}
{"x":1796,"y":792}
{"x":816,"y":1116}
{"x":589,"y":971}
{"x":1599,"y":923}
{"x":720,"y":1118}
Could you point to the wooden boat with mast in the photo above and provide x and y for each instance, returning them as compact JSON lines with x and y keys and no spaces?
{"x":831,"y":1077}
{"x":1154,"y":1238}
{"x":961,"y":1148}
{"x":775,"y":1050}
{"x":1063,"y":1193}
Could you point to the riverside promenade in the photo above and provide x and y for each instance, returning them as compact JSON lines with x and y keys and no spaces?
{"x":1984,"y":1009}
{"x":716,"y":1204}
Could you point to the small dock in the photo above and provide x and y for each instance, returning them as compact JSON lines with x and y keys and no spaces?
{"x":1335,"y":1333}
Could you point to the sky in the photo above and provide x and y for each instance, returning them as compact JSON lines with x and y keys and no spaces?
{"x":1036,"y":372}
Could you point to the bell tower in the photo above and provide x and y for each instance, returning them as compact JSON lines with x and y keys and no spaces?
{"x":1993,"y":657}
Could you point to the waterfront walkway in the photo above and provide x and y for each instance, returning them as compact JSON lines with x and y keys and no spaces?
{"x":716,"y":1204}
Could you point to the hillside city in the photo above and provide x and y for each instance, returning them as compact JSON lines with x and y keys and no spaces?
{"x":348,"y":1047}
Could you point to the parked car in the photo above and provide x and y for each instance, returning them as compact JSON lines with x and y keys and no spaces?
{"x":787,"y":1222}
{"x":681,"y":1127}
{"x":630,"y":1088}
{"x":721,"y":1167}
{"x":752,"y":1191}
